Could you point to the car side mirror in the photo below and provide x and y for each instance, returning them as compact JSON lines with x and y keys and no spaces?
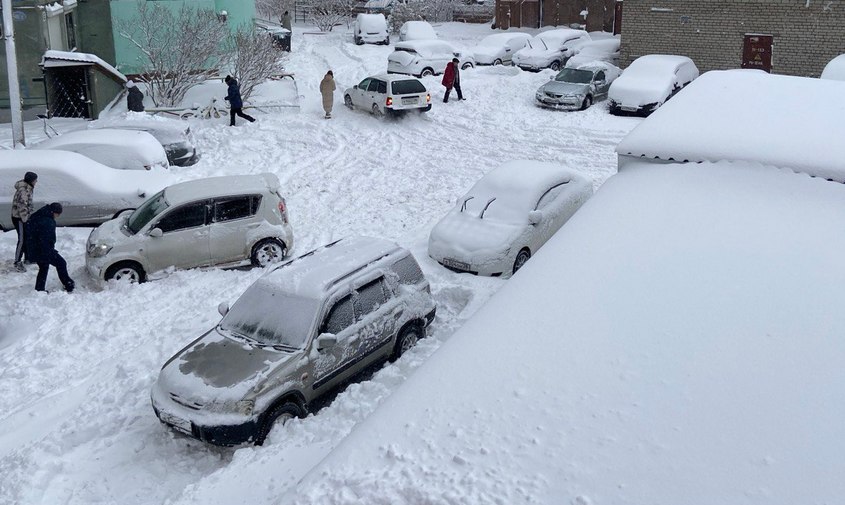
{"x":223,"y":308}
{"x":326,"y":341}
{"x":156,"y":233}
{"x":535,"y":217}
{"x":141,"y":192}
{"x":355,"y":87}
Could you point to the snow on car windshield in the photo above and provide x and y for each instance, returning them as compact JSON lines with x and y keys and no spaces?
{"x":574,"y":76}
{"x":271,"y":318}
{"x":146,"y":212}
{"x":496,"y":206}
{"x":407,"y":86}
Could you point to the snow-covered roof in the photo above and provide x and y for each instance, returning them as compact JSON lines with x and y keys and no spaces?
{"x":835,"y":69}
{"x":678,"y":341}
{"x":53,"y":58}
{"x":211,"y":187}
{"x":785,"y":121}
{"x":313,"y":273}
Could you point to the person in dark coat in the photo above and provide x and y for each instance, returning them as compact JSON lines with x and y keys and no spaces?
{"x":134,"y":97}
{"x":452,"y":79}
{"x":235,"y":101}
{"x":21,"y":211}
{"x":42,"y":227}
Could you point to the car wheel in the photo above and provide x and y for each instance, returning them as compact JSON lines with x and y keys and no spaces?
{"x":588,"y":101}
{"x":377,"y":112}
{"x":359,"y":42}
{"x":426,"y":72}
{"x":267,"y":252}
{"x":466,"y":66}
{"x":497,"y":61}
{"x":347,"y":100}
{"x":555,"y":65}
{"x":408,"y":338}
{"x":126,"y":271}
{"x":521,"y":259}
{"x":281,"y":413}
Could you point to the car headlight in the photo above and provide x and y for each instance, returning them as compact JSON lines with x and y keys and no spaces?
{"x":98,"y":250}
{"x":245,"y":407}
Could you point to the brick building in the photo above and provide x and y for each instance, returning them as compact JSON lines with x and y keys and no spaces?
{"x":595,"y":15}
{"x":794,"y":37}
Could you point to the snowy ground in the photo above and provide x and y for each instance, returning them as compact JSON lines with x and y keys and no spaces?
{"x":76,"y":425}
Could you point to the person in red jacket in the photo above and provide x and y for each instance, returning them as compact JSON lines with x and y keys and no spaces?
{"x":452,"y":79}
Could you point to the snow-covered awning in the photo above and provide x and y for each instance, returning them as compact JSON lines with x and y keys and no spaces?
{"x":52,"y":59}
{"x":788,"y":122}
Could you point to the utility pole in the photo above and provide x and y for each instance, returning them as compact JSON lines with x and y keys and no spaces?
{"x":12,"y":69}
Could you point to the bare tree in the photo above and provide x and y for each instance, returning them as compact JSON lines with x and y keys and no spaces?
{"x":274,"y":9}
{"x":179,"y":49}
{"x":415,"y":10}
{"x":329,"y":13}
{"x":255,"y":58}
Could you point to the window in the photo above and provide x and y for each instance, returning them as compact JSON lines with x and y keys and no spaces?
{"x":382,"y":87}
{"x":600,"y":76}
{"x":227,"y":209}
{"x":407,"y":87}
{"x":184,"y":217}
{"x":373,"y":85}
{"x":550,"y":195}
{"x":364,"y":84}
{"x":408,"y":270}
{"x":370,"y":297}
{"x":70,"y":28}
{"x":340,"y":317}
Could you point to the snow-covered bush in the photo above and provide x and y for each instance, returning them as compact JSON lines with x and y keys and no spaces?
{"x":420,"y":10}
{"x":275,"y":9}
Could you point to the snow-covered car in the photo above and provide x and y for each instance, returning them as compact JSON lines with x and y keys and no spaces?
{"x":499,"y":48}
{"x":387,"y":94}
{"x":297,"y":333}
{"x":549,"y":49}
{"x":417,"y":30}
{"x":174,"y":135}
{"x":835,"y":69}
{"x":578,"y":88}
{"x":506,"y":216}
{"x":370,"y":29}
{"x":225,"y":221}
{"x":425,"y":57}
{"x":596,"y":50}
{"x":122,"y":149}
{"x":648,"y":82}
{"x":91,"y":193}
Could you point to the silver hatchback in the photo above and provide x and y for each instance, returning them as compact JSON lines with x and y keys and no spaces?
{"x":224,"y":221}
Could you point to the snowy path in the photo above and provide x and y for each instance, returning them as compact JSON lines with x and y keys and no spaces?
{"x":75,"y":370}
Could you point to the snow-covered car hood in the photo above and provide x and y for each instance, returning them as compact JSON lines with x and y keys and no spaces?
{"x":486,"y":54}
{"x":638,"y":91}
{"x":217,"y":369}
{"x":460,"y":235}
{"x":403,"y":58}
{"x":565,"y":88}
{"x":111,"y":232}
{"x":535,"y":55}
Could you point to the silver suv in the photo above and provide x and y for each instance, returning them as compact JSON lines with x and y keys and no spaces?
{"x":302,"y":329}
{"x":227,"y":221}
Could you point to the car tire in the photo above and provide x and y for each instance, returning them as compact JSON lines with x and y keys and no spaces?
{"x":588,"y":101}
{"x":358,"y":42}
{"x":347,"y":101}
{"x":466,"y":66}
{"x":426,"y":72}
{"x":555,"y":65}
{"x":497,"y":61}
{"x":268,"y":251}
{"x":407,"y":338}
{"x":377,"y":112}
{"x":521,"y":259}
{"x":284,"y":412}
{"x":126,"y":271}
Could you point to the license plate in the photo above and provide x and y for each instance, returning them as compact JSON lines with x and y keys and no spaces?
{"x":178,"y":423}
{"x":628,"y":108}
{"x":455,"y":264}
{"x":410,"y":101}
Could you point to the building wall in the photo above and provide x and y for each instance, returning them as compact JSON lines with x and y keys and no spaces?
{"x":807,"y":33}
{"x":95,"y":29}
{"x":527,"y":13}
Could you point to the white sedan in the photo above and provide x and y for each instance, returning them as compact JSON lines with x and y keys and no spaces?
{"x":512,"y":211}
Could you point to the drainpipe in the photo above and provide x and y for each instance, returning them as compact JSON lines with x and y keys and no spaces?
{"x":12,"y":69}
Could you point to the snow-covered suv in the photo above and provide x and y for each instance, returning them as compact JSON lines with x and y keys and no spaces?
{"x":299,"y":331}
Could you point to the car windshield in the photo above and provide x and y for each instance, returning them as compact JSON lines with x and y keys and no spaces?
{"x":537,"y":43}
{"x":271,"y":318}
{"x":146,"y":212}
{"x":407,"y":86}
{"x":574,"y":76}
{"x":406,"y":50}
{"x":496,"y":206}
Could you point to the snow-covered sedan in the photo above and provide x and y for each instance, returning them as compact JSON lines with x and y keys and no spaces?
{"x":835,"y":69}
{"x":174,"y":135}
{"x":577,"y":88}
{"x":648,"y":82}
{"x":123,"y":149}
{"x":499,"y":48}
{"x":596,"y":50}
{"x":388,"y":95}
{"x":549,"y":49}
{"x":512,"y":211}
{"x":417,"y":30}
{"x":425,"y":57}
{"x":370,"y":29}
{"x":91,"y":193}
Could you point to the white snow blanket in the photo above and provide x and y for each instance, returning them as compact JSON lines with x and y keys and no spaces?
{"x":835,"y":69}
{"x":748,"y":115}
{"x":659,"y":349}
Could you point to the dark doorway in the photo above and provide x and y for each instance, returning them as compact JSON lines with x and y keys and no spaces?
{"x":757,"y":52}
{"x":67,"y":91}
{"x":617,"y":17}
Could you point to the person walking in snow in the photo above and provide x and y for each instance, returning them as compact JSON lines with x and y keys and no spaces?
{"x":235,"y":102}
{"x":452,"y":79}
{"x":134,"y":97}
{"x":327,"y":88}
{"x":21,"y":211}
{"x":42,"y":226}
{"x":286,"y":21}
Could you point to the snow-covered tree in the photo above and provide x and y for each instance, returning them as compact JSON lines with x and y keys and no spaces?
{"x":326,"y":14}
{"x":254,"y":58}
{"x":275,"y":9}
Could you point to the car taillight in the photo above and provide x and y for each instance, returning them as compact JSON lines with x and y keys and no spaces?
{"x":389,"y":101}
{"x":148,"y":167}
{"x":427,"y":98}
{"x":283,"y":210}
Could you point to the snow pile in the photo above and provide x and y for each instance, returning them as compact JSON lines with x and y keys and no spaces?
{"x":835,"y":70}
{"x":748,"y":115}
{"x":666,"y":350}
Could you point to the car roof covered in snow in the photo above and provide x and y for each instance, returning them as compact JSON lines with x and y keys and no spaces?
{"x":120,"y":139}
{"x":664,"y":349}
{"x":657,"y":63}
{"x":601,"y":46}
{"x":835,"y":69}
{"x":313,"y":274}
{"x":212,"y":187}
{"x":527,"y":175}
{"x":748,"y":115}
{"x":502,"y":38}
{"x":393,"y":77}
{"x":562,"y":33}
{"x":426,"y":46}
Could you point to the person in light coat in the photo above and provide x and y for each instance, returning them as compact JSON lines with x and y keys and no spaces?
{"x":22,"y":209}
{"x":327,"y":87}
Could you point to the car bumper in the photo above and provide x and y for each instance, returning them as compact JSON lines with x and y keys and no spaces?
{"x":557,"y":105}
{"x":532,"y":67}
{"x":96,"y":267}
{"x":178,"y":419}
{"x":623,"y":110}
